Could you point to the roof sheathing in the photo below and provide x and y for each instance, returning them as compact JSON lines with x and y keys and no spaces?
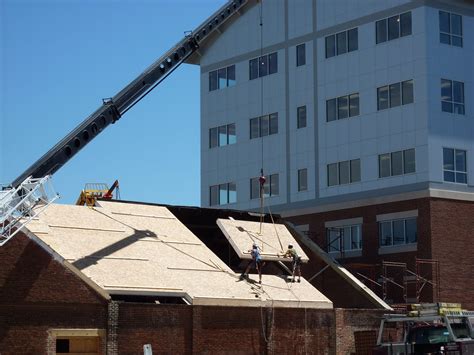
{"x":272,"y":238}
{"x":145,"y":250}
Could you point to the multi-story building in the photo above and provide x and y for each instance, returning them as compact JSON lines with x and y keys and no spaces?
{"x":360,"y":114}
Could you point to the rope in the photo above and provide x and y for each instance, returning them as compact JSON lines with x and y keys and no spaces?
{"x":274,"y":226}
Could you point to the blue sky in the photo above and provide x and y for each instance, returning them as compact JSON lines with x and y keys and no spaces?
{"x":60,"y":58}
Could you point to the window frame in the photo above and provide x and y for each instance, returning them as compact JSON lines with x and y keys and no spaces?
{"x":403,"y":153}
{"x":341,"y":38}
{"x":264,"y":65}
{"x":215,"y":191}
{"x":214,"y":136}
{"x":337,"y":172}
{"x":301,"y":117}
{"x":268,"y":186}
{"x":341,"y":238}
{"x":450,"y":35}
{"x":302,"y":179}
{"x":215,"y":78}
{"x":455,"y":171}
{"x":457,"y":107}
{"x":382,"y":241}
{"x":382,"y":27}
{"x":271,"y":121}
{"x":301,"y":54}
{"x":402,"y":98}
{"x":337,"y":107}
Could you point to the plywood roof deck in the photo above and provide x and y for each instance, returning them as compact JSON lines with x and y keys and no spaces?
{"x":138,"y":249}
{"x":272,"y":239}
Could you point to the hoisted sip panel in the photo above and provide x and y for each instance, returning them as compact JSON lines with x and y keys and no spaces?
{"x":273,"y":239}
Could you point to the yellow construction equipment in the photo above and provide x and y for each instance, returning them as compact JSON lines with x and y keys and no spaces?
{"x":94,"y":191}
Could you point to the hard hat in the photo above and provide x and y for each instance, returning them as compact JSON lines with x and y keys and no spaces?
{"x":290,"y":246}
{"x":254,"y":245}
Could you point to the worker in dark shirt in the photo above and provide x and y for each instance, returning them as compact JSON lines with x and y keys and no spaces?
{"x":291,"y":253}
{"x":256,"y":263}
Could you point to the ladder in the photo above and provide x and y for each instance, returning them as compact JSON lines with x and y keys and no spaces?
{"x":18,"y":206}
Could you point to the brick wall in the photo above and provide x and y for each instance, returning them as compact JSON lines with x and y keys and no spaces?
{"x":445,"y":232}
{"x":37,"y":293}
{"x":452,"y":227}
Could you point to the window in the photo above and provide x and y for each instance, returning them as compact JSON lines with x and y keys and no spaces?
{"x":302,"y":180}
{"x":342,"y":42}
{"x":452,"y":96}
{"x":398,"y":231}
{"x":393,"y":27}
{"x":454,"y":165}
{"x":395,"y":95}
{"x":397,"y":163}
{"x":300,"y":55}
{"x":301,"y":117}
{"x":263,"y":66}
{"x":264,"y":125}
{"x":222,"y":194}
{"x":344,"y":172}
{"x":450,"y":29}
{"x":344,"y":238}
{"x":222,"y":135}
{"x":270,"y":187}
{"x":342,"y":107}
{"x":222,"y":78}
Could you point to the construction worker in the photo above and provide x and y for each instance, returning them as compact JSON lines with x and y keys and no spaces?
{"x":256,"y":263}
{"x":291,"y":253}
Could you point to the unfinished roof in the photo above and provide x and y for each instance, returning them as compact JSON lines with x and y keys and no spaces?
{"x":272,"y":238}
{"x":139,"y":249}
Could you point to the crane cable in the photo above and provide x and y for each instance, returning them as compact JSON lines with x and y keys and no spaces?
{"x":262,"y":176}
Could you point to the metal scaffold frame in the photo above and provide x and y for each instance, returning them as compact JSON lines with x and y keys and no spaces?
{"x":18,"y":206}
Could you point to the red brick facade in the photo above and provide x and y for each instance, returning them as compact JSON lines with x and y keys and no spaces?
{"x":37,"y":294}
{"x":445,"y":229}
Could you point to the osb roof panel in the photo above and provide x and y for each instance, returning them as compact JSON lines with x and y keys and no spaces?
{"x":273,"y":239}
{"x":138,"y":248}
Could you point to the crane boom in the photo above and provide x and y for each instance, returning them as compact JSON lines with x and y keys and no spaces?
{"x":112,"y":109}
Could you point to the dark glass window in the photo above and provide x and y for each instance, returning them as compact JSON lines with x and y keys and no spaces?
{"x":330,"y":46}
{"x":214,"y":195}
{"x":302,"y":180}
{"x":222,"y":135}
{"x":382,"y":98}
{"x":352,"y":40}
{"x":384,"y":165}
{"x":331,"y":114}
{"x":213,"y":137}
{"x":333,"y":178}
{"x":393,"y":27}
{"x":222,"y":78}
{"x":405,"y":24}
{"x":342,"y":107}
{"x":273,"y":123}
{"x":264,"y":126}
{"x":397,"y":163}
{"x":409,"y":161}
{"x":213,"y":80}
{"x":395,"y":97}
{"x":300,"y":55}
{"x":344,"y":172}
{"x":231,"y":75}
{"x":253,"y":68}
{"x":454,"y":165}
{"x":450,"y":29}
{"x":254,"y":127}
{"x":273,"y":63}
{"x":355,"y":170}
{"x":341,"y":39}
{"x":301,"y":117}
{"x":452,"y":96}
{"x":381,"y":31}
{"x":354,"y":105}
{"x":263,"y":66}
{"x":407,"y":92}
